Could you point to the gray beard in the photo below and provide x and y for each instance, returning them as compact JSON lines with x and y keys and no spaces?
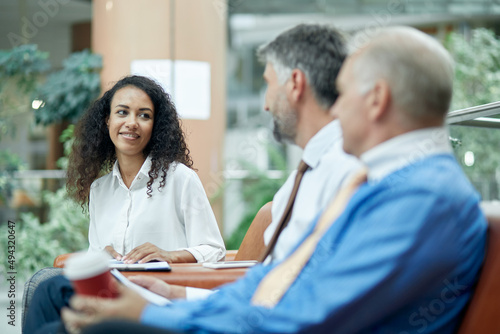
{"x":280,"y":136}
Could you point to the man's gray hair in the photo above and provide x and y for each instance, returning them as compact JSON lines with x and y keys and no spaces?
{"x":416,"y":66}
{"x":316,"y":50}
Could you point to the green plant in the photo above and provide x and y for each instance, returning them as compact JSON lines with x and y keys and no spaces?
{"x":258,"y":189}
{"x":65,"y":231}
{"x":38,"y":244}
{"x":66,"y":93}
{"x":23,"y":65}
{"x":67,"y":138}
{"x":20,"y":71}
{"x":477,"y":74}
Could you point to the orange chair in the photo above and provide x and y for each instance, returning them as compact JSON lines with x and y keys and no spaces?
{"x":483,"y":313}
{"x":251,"y":247}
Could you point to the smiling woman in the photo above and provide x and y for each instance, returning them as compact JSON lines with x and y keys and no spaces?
{"x":150,"y":204}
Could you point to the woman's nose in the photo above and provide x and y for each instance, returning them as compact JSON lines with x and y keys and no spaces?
{"x":131,"y":122}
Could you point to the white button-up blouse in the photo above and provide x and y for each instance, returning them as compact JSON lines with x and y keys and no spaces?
{"x":178,"y":217}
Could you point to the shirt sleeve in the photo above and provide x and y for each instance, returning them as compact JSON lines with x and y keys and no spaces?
{"x":197,"y":293}
{"x":202,"y":232}
{"x":399,"y":245}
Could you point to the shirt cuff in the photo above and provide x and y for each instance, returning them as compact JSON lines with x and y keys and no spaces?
{"x":197,"y":293}
{"x":197,"y":255}
{"x":206,"y":253}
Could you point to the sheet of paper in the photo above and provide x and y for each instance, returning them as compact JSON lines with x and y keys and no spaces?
{"x":229,"y":264}
{"x":145,"y":293}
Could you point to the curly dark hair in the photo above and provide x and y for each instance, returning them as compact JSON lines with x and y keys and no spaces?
{"x":93,"y":153}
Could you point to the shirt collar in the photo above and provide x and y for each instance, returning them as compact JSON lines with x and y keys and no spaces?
{"x":321,"y":142}
{"x":404,"y":150}
{"x":146,"y":166}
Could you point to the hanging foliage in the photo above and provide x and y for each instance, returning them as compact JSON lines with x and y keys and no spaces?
{"x":68,"y":92}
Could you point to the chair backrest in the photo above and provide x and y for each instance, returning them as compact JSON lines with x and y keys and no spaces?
{"x":253,"y":245}
{"x":60,"y":260}
{"x":483,"y":314}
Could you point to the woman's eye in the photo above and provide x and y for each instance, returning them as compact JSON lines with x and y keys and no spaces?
{"x":147,"y":116}
{"x":121,"y":112}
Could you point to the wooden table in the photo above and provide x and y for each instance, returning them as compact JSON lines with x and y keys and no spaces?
{"x":194,"y":275}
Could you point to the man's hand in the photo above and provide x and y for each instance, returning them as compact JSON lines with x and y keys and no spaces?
{"x":89,"y":310}
{"x":111,"y":251}
{"x":159,"y":287}
{"x":149,"y":252}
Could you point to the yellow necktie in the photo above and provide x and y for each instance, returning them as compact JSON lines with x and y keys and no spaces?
{"x":277,"y":282}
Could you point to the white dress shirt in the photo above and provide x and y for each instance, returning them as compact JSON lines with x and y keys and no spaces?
{"x":178,"y":217}
{"x":403,"y":150}
{"x":329,"y":166}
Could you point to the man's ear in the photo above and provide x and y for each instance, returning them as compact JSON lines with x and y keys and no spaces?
{"x":296,"y":85}
{"x":379,"y":100}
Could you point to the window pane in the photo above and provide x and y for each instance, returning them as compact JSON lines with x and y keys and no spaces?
{"x":477,"y":151}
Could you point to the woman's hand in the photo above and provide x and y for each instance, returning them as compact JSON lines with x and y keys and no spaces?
{"x":149,"y":252}
{"x":111,"y":251}
{"x":159,"y":287}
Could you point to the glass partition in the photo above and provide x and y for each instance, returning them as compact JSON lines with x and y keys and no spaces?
{"x":475,"y":136}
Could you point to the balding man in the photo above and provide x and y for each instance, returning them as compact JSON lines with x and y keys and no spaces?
{"x":399,"y":255}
